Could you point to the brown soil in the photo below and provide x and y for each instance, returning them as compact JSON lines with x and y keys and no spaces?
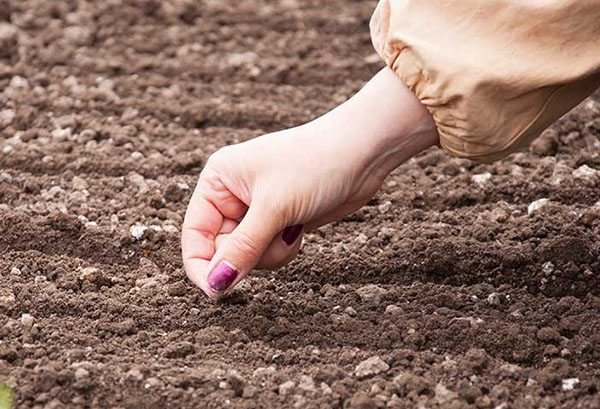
{"x":108,"y":110}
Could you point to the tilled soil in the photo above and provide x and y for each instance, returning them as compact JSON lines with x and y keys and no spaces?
{"x":448,"y":290}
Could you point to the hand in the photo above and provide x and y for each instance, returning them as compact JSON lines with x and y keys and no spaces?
{"x":254,"y":200}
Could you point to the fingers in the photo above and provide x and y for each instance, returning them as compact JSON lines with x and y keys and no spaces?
{"x":242,"y":249}
{"x":282,"y":249}
{"x":209,"y":212}
{"x":200,"y":227}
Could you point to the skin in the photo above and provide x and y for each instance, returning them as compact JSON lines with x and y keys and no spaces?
{"x":309,"y":175}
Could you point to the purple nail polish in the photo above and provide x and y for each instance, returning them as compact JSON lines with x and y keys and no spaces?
{"x":291,"y":233}
{"x":222,"y":276}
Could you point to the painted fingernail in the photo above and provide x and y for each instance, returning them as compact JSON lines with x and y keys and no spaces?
{"x":291,"y":233}
{"x":222,"y":276}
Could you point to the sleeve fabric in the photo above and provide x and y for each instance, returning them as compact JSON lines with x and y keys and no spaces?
{"x":495,"y":73}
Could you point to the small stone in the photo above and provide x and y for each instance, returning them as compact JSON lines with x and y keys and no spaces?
{"x":548,"y":268}
{"x":262,"y":371}
{"x":81,"y":373}
{"x":371,"y":293}
{"x":565,"y":353}
{"x":499,"y":215}
{"x":78,"y":36}
{"x":569,"y":384}
{"x":151,"y":383}
{"x":79,"y":183}
{"x":287,"y":388}
{"x":493,"y":299}
{"x":350,"y":311}
{"x":371,"y":367}
{"x":481,"y":178}
{"x":137,"y":155}
{"x":393,"y":310}
{"x":535,"y":206}
{"x":361,"y":238}
{"x":138,"y":231}
{"x":15,"y":271}
{"x":27,"y":320}
{"x":384,"y":207}
{"x":85,"y":136}
{"x":129,"y":114}
{"x":584,"y":172}
{"x":307,"y":384}
{"x":61,"y":135}
{"x":135,"y":375}
{"x":19,"y":82}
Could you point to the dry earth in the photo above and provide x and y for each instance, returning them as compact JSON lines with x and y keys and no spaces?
{"x":443,"y":292}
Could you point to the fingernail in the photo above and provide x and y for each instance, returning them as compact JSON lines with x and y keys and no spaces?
{"x":291,"y":233}
{"x":222,"y":276}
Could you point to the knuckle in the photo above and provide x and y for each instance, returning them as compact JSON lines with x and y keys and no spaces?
{"x":219,"y":158}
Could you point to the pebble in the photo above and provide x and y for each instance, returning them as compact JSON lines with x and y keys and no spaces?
{"x":27,"y":320}
{"x":371,"y":293}
{"x":262,"y":371}
{"x":78,"y":36}
{"x":7,"y":302}
{"x":129,"y":114}
{"x":137,"y":231}
{"x":361,"y":238}
{"x":81,"y":373}
{"x":287,"y":388}
{"x":371,"y":367}
{"x":481,"y":178}
{"x":19,"y":82}
{"x":169,"y":228}
{"x":350,"y":311}
{"x":393,"y":310}
{"x":135,"y":375}
{"x":79,"y":183}
{"x":85,"y":136}
{"x":538,"y":204}
{"x":569,"y":384}
{"x":499,"y":215}
{"x":137,"y":155}
{"x":307,"y":384}
{"x":6,"y":117}
{"x":493,"y":299}
{"x":584,"y":172}
{"x":384,"y":207}
{"x":15,"y":271}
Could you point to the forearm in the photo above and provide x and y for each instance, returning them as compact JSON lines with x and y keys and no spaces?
{"x":384,"y":121}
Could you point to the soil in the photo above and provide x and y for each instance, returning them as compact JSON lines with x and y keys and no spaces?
{"x":443,"y":292}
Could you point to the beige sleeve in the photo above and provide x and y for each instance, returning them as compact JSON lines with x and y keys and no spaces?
{"x":495,"y":73}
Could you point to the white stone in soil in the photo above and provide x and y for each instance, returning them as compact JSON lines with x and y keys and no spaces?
{"x":481,"y":179}
{"x":27,"y":320}
{"x":18,"y":82}
{"x":584,"y":172}
{"x":371,"y":367}
{"x":535,"y":206}
{"x":569,"y":384}
{"x":287,"y":388}
{"x":138,"y":231}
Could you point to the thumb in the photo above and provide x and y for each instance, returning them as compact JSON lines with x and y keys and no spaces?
{"x":243,"y":248}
